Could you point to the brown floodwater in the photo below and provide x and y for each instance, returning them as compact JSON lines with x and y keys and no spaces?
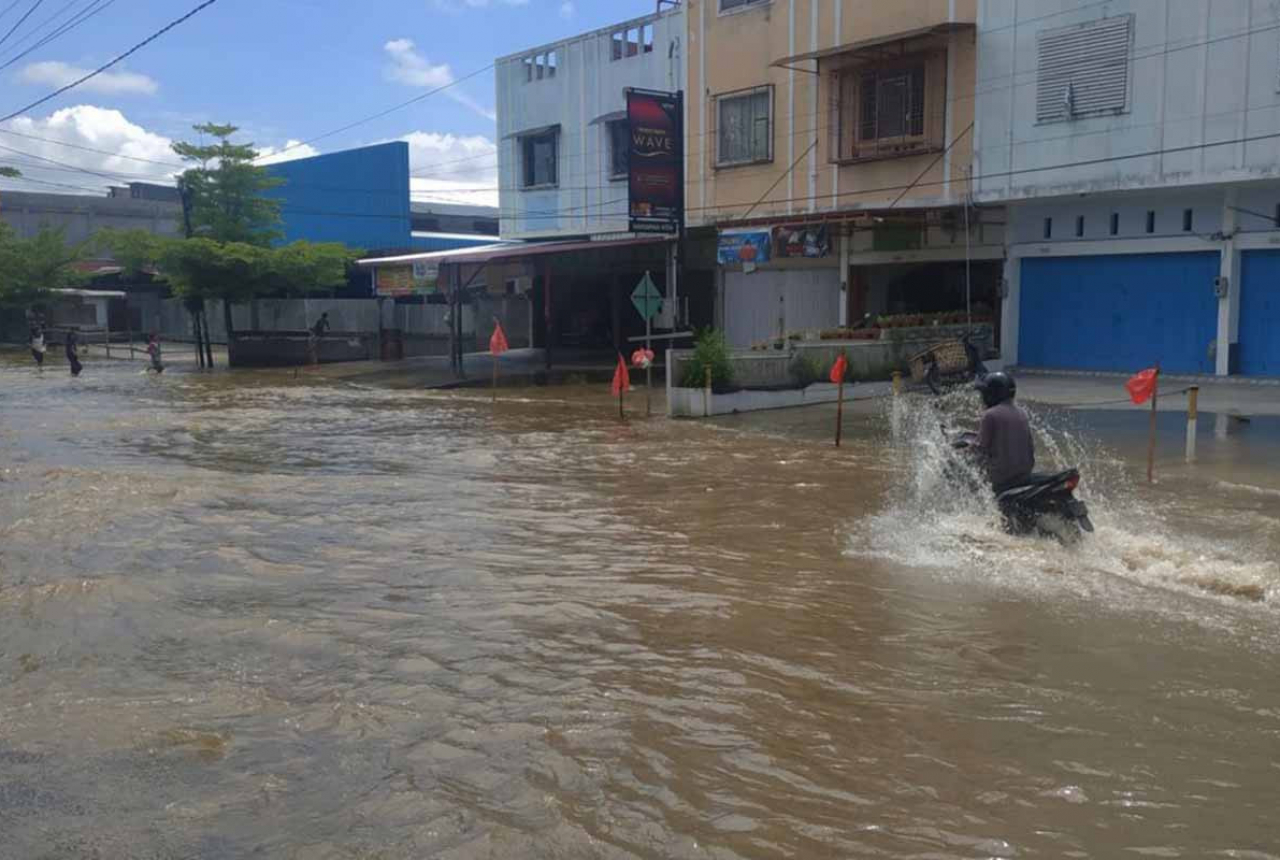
{"x":248,"y":615}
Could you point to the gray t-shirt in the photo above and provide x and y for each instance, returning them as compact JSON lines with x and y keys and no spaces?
{"x":1004,"y":438}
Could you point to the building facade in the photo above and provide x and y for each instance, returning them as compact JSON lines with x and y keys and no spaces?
{"x":1137,"y":146}
{"x":829,"y":150}
{"x":562,"y":132}
{"x":81,"y":216}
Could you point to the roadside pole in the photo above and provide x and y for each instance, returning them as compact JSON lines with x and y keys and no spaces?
{"x":839,"y":411}
{"x":648,"y":370}
{"x":1151,"y":443}
{"x":1193,"y":406}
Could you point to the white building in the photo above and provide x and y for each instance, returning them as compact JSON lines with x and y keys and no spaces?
{"x":1137,"y":144}
{"x":562,"y":125}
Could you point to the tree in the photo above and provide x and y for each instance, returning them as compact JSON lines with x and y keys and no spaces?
{"x":135,"y":250}
{"x":235,"y":272}
{"x":10,"y":172}
{"x":29,"y":268}
{"x":305,"y":267}
{"x":224,"y":195}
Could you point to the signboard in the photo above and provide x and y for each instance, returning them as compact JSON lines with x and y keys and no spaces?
{"x":646,"y":298}
{"x":419,"y":278}
{"x":655,"y":122}
{"x":426,"y":276}
{"x":748,"y":247}
{"x":394,"y":281}
{"x":801,"y":240}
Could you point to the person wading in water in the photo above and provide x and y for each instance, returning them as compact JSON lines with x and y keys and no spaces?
{"x":37,"y":344}
{"x":73,"y":353}
{"x":317,"y":332}
{"x":153,"y":350}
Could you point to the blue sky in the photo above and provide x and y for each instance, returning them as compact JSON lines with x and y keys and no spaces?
{"x":282,"y":70}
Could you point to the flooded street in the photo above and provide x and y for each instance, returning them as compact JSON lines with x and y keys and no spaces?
{"x":257,"y":616}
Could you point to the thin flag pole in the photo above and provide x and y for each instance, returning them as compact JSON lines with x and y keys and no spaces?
{"x":1151,"y":442}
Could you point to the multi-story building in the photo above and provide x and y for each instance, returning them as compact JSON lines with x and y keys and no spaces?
{"x":829,"y":148}
{"x":563,"y":170}
{"x":1137,"y":145}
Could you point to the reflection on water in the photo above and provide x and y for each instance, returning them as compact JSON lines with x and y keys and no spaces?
{"x":257,"y":616}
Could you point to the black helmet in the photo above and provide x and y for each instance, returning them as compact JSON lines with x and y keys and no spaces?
{"x":996,"y":388}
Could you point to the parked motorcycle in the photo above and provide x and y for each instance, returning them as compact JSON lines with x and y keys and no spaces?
{"x":1044,"y":504}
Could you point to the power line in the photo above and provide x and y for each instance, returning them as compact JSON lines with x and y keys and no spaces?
{"x":84,"y":15}
{"x":381,"y":114}
{"x":104,"y":67}
{"x":21,"y":21}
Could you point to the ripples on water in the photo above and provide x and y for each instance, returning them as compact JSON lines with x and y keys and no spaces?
{"x":254,"y":616}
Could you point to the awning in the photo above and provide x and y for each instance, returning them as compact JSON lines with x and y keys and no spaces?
{"x":863,"y":45}
{"x":495,"y":253}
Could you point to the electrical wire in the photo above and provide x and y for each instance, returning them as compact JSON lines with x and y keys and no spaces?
{"x":84,"y":15}
{"x":21,"y":21}
{"x":147,"y":41}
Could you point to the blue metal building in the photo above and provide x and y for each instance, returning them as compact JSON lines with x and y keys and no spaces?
{"x":359,"y":197}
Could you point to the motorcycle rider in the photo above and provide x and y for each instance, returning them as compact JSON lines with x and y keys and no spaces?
{"x":1004,"y":441}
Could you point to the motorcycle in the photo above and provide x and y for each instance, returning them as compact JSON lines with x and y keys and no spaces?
{"x":1043,"y":504}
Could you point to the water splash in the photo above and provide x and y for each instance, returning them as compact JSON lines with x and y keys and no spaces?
{"x":934,"y":519}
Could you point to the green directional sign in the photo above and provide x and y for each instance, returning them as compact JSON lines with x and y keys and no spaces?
{"x":646,"y":298}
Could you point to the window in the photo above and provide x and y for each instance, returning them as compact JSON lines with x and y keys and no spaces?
{"x":540,"y":66}
{"x":1151,"y":220}
{"x":745,"y":130}
{"x":729,"y":5}
{"x":1115,"y":223}
{"x":888,"y":111}
{"x":619,"y":132}
{"x":1084,"y":70}
{"x":1187,"y":215}
{"x":1048,"y":228}
{"x":538,"y":155}
{"x":425,"y":224}
{"x":1079,"y":226}
{"x":485,"y":226}
{"x":631,"y":42}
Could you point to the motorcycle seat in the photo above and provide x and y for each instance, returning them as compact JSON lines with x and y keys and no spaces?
{"x":1034,"y":481}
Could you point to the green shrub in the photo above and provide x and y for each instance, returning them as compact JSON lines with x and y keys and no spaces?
{"x":807,"y":369}
{"x":709,"y":351}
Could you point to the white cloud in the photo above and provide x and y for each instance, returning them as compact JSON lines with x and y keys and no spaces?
{"x":452,"y":168}
{"x":409,"y":66}
{"x":94,"y":128}
{"x":567,"y":9}
{"x":113,"y":82}
{"x":291,"y":151}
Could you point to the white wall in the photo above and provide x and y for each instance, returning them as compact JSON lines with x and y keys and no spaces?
{"x":1201,"y":72}
{"x":587,"y":88}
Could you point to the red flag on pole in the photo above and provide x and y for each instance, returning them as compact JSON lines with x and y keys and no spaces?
{"x":838,"y":369}
{"x":498,"y":343}
{"x":621,"y":378}
{"x":1143,"y":385}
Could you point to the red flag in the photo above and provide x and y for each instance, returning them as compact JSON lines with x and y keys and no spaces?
{"x":498,"y":343}
{"x":1143,"y":385}
{"x":621,"y":379}
{"x":838,"y":369}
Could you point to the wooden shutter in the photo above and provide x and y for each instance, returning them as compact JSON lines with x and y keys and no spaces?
{"x":1084,"y":69}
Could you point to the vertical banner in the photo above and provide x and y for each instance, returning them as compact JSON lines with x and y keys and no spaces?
{"x":656,"y":161}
